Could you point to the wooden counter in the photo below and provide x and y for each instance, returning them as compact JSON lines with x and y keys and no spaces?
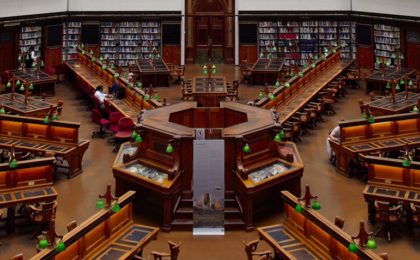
{"x":153,"y":73}
{"x":208,"y":92}
{"x":266,"y":71}
{"x":385,"y":106}
{"x":35,"y":107}
{"x":42,"y":82}
{"x":379,"y":79}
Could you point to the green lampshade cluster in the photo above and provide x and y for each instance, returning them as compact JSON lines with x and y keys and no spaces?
{"x":156,"y":97}
{"x":292,"y":74}
{"x":402,"y":81}
{"x":397,"y":87}
{"x":371,"y":243}
{"x":146,"y":97}
{"x":352,"y":247}
{"x":2,"y":111}
{"x":299,"y":208}
{"x":18,"y":83}
{"x":83,"y":52}
{"x":279,"y":136}
{"x":406,"y":162}
{"x":246,"y":148}
{"x":60,"y":246}
{"x":103,"y":66}
{"x":261,"y":95}
{"x":415,"y":109}
{"x":271,"y":96}
{"x":371,"y":119}
{"x":100,"y":204}
{"x":388,"y":86}
{"x":134,"y":134}
{"x":313,"y":65}
{"x":316,"y":205}
{"x":13,"y":163}
{"x":116,"y":207}
{"x":169,"y":148}
{"x":31,"y":87}
{"x":43,"y":243}
{"x":116,"y":75}
{"x":46,"y":120}
{"x":19,"y":58}
{"x":277,"y":84}
{"x":91,"y":52}
{"x":287,"y":85}
{"x":137,"y":138}
{"x":55,"y":117}
{"x":301,"y":74}
{"x":93,"y":59}
{"x":139,"y":84}
{"x":363,"y":115}
{"x":9,"y":84}
{"x":22,"y":88}
{"x":410,"y":83}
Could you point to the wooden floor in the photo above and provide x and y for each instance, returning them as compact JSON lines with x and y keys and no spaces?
{"x":338,"y":195}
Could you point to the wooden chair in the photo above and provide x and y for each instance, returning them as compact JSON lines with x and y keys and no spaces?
{"x":71,"y":225}
{"x":245,"y":72}
{"x":173,"y":252}
{"x":17,"y":257}
{"x":353,"y":76}
{"x":388,"y":216}
{"x":59,"y":107}
{"x":339,"y":222}
{"x":416,"y":220}
{"x":250,"y":249}
{"x":384,"y":256}
{"x":42,"y":216}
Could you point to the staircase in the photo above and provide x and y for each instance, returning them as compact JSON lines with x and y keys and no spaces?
{"x":183,"y":213}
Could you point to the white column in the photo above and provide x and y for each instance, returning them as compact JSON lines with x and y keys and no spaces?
{"x":182,"y":32}
{"x":236,"y":33}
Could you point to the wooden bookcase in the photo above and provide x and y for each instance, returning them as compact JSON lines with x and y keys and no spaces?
{"x":30,"y":36}
{"x":71,"y":37}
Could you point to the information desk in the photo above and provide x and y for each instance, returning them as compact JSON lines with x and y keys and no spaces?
{"x":42,"y":82}
{"x":57,"y":138}
{"x":153,"y":73}
{"x":105,"y":235}
{"x":35,"y":107}
{"x":309,"y":235}
{"x":387,"y":133}
{"x":379,"y":79}
{"x":29,"y":182}
{"x":385,"y":106}
{"x":266,"y":71}
{"x":208,"y":92}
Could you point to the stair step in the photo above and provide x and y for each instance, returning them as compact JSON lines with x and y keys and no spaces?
{"x":182,"y":222}
{"x":184,"y":210}
{"x":231,"y":210}
{"x":234,"y":222}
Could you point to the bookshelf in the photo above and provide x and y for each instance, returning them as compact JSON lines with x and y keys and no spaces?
{"x":30,"y":36}
{"x":288,"y":41}
{"x":150,"y":38}
{"x":129,"y":42}
{"x":71,"y":37}
{"x":267,"y":38}
{"x":327,"y":34}
{"x":308,"y":40}
{"x":347,"y":39}
{"x":109,"y":41}
{"x":387,"y":42}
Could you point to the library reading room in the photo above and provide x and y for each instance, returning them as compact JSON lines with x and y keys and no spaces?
{"x":209,"y":129}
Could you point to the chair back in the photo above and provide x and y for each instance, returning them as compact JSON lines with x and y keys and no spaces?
{"x":71,"y":225}
{"x":115,"y":117}
{"x":174,"y":249}
{"x":250,"y":247}
{"x":96,"y":116}
{"x":96,"y":103}
{"x":416,"y":213}
{"x":17,"y":257}
{"x":339,"y":222}
{"x":384,"y":212}
{"x":48,"y":210}
{"x":107,"y":106}
{"x":125,"y":124}
{"x":60,"y":107}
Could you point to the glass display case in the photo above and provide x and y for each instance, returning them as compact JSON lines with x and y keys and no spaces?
{"x":269,"y":171}
{"x":144,"y":171}
{"x":126,"y":149}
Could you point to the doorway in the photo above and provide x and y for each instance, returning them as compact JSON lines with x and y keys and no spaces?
{"x":209,"y":38}
{"x":8,"y":55}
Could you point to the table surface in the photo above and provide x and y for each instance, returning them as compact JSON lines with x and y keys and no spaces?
{"x":383,"y":143}
{"x":385,"y":103}
{"x":390,"y":74}
{"x":268,"y":65}
{"x":404,"y":195}
{"x":19,"y":105}
{"x":147,"y":66}
{"x":212,"y":85}
{"x":26,"y":194}
{"x":32,"y":76}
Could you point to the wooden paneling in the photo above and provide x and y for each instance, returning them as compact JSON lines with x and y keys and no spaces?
{"x":8,"y":55}
{"x":413,"y":54}
{"x":53,"y":56}
{"x":365,"y":57}
{"x":248,"y":52}
{"x":171,"y":54}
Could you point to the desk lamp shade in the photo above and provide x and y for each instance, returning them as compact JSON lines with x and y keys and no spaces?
{"x":91,"y":52}
{"x":334,"y":50}
{"x":292,"y":74}
{"x":31,"y":87}
{"x":18,"y":83}
{"x":129,"y":85}
{"x":103,"y":66}
{"x":363,"y":115}
{"x":287,"y":84}
{"x":271,"y":96}
{"x":274,"y":48}
{"x":2,"y":111}
{"x":371,"y":243}
{"x":55,"y":117}
{"x":93,"y":59}
{"x":13,"y":163}
{"x":138,"y":139}
{"x":134,"y":134}
{"x":282,"y":134}
{"x":116,"y":207}
{"x":316,"y":205}
{"x":352,"y":247}
{"x":60,"y":246}
{"x":19,"y":58}
{"x":169,"y":148}
{"x":43,"y":243}
{"x":100,"y":204}
{"x":299,"y":208}
{"x":46,"y":120}
{"x":406,"y":162}
{"x":246,"y":148}
{"x":101,"y":58}
{"x":388,"y":86}
{"x":146,"y":97}
{"x":33,"y":65}
{"x":156,"y":97}
{"x":313,"y":65}
{"x":410,"y":83}
{"x":402,"y":81}
{"x":82,"y":45}
{"x":415,"y":109}
{"x":277,"y":138}
{"x":397,"y":87}
{"x":22,"y":88}
{"x":261,"y":95}
{"x":301,"y":74}
{"x":277,"y":84}
{"x":116,"y":75}
{"x":83,"y":52}
{"x":27,"y":57}
{"x":371,"y":119}
{"x":9,"y":84}
{"x":261,"y":55}
{"x":139,"y":84}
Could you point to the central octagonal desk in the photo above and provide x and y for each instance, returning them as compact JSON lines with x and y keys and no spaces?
{"x":208,"y":92}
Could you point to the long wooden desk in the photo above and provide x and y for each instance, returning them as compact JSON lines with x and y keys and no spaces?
{"x":153,"y":73}
{"x":378,"y":81}
{"x":309,"y":235}
{"x":384,"y":106}
{"x":35,"y":107}
{"x":388,"y":133}
{"x":208,"y":92}
{"x":266,"y":71}
{"x":105,"y":235}
{"x":42,"y":82}
{"x":58,"y":138}
{"x":29,"y":182}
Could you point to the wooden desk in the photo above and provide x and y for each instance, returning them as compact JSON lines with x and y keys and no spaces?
{"x":29,"y":182}
{"x":266,"y":71}
{"x":153,"y":73}
{"x":377,"y":81}
{"x":388,"y":133}
{"x":384,"y":106}
{"x":208,"y":92}
{"x":42,"y":82}
{"x":58,"y":138}
{"x":35,"y":107}
{"x":309,"y":235}
{"x":105,"y":235}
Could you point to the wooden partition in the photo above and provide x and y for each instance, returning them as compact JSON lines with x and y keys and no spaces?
{"x":59,"y":138}
{"x":105,"y":233}
{"x":387,"y":133}
{"x":308,"y":235}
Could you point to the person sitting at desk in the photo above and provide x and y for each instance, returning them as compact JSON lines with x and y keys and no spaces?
{"x":100,"y":96}
{"x":334,"y":136}
{"x":113,"y":90}
{"x":30,"y":57}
